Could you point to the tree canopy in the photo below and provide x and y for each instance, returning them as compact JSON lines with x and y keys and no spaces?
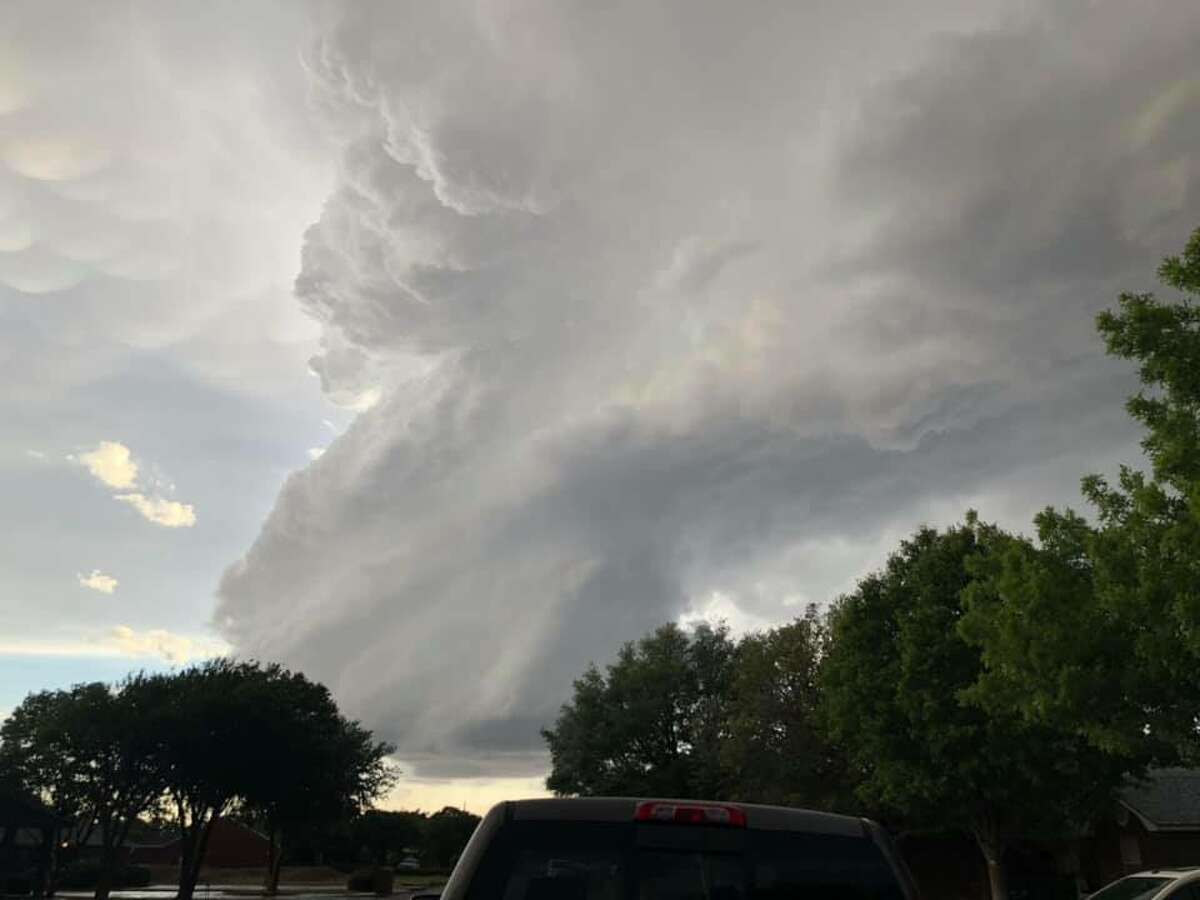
{"x":776,"y":748}
{"x":1098,"y":627}
{"x":692,"y":713}
{"x":651,"y":723}
{"x":86,"y":753}
{"x":898,"y":680}
{"x":191,"y":746}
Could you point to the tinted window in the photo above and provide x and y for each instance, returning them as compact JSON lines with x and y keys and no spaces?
{"x":567,"y":875}
{"x":817,"y":865}
{"x":666,"y":875}
{"x":578,"y":861}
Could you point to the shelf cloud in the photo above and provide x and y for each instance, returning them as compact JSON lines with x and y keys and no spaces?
{"x":661,"y":303}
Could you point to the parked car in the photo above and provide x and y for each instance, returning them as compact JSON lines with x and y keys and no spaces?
{"x":1156,"y":884}
{"x":625,"y":849}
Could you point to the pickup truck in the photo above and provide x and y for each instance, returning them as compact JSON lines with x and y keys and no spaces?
{"x":637,"y":849}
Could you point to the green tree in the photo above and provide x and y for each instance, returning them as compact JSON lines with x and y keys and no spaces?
{"x":777,"y":749}
{"x":652,"y":724}
{"x":86,"y":752}
{"x":446,"y":832}
{"x":898,"y":680}
{"x":1099,"y":626}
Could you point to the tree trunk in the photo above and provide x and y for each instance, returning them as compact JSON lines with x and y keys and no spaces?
{"x":274,"y":861}
{"x":992,"y":849}
{"x":49,"y":860}
{"x":6,"y":843}
{"x":997,"y":880}
{"x":187,"y":839}
{"x":991,"y":845}
{"x":189,"y":873}
{"x":108,"y":865}
{"x":104,"y":881}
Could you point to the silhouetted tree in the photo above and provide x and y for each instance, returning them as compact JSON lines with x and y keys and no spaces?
{"x":258,"y":736}
{"x":314,"y":766}
{"x":446,"y":832}
{"x":89,"y":753}
{"x":384,"y":835}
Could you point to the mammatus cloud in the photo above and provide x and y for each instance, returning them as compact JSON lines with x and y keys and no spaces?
{"x":688,"y":309}
{"x":98,"y":581}
{"x":151,"y":194}
{"x":112,"y":463}
{"x":160,"y":511}
{"x":157,"y":171}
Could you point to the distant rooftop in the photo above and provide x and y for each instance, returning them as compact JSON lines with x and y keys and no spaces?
{"x":1168,"y":800}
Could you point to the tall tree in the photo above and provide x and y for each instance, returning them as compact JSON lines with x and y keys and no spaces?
{"x":315,"y":766}
{"x":1120,"y":657}
{"x":211,"y":751}
{"x":242,"y":734}
{"x":652,"y":724}
{"x":777,"y":749}
{"x":898,"y":679}
{"x":88,"y":752}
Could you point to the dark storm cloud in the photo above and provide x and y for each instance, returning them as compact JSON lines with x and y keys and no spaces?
{"x":701,"y":315}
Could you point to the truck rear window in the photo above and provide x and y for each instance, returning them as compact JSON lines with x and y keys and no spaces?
{"x":594,"y":861}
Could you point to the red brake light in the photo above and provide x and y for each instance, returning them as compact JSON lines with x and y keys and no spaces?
{"x":691,"y":814}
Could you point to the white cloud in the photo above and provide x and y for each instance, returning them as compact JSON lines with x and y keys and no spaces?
{"x":161,"y":511}
{"x":162,"y":644}
{"x":123,"y":641}
{"x":112,"y":463}
{"x":316,"y":452}
{"x":719,"y":608}
{"x":98,"y":581}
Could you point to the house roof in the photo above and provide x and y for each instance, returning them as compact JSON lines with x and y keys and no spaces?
{"x":1168,"y":800}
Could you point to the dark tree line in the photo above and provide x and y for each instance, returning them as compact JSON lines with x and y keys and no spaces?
{"x":385,"y":837}
{"x":980,"y":680}
{"x":187,"y":749}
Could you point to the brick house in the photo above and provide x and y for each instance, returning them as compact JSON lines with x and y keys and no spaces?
{"x":1154,"y":825}
{"x":230,"y":846}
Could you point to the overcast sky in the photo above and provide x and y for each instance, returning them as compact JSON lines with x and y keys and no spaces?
{"x":435,"y":349}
